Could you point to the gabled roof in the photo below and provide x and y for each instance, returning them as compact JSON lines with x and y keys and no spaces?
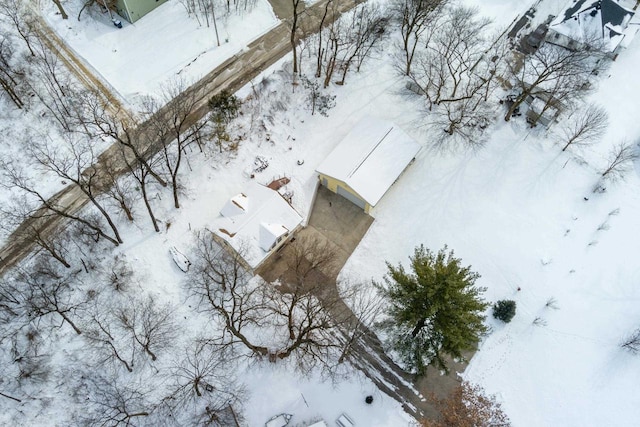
{"x":606,"y":20}
{"x":252,"y":221}
{"x":370,"y":158}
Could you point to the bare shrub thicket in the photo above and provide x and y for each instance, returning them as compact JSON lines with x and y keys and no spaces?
{"x":468,"y":406}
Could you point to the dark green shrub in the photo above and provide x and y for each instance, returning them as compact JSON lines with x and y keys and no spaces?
{"x":504,"y":310}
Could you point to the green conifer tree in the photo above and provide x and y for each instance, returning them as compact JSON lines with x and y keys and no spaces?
{"x":434,"y":310}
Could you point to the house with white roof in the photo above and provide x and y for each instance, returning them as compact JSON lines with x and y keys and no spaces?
{"x":367,"y":162}
{"x":611,"y":24}
{"x":256,"y":222}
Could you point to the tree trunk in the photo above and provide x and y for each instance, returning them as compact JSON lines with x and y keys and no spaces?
{"x":294,"y":28}
{"x":418,"y":326}
{"x":61,"y":9}
{"x":143,"y":187}
{"x":75,"y":328}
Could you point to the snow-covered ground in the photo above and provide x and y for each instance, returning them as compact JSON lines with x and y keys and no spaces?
{"x":515,"y":210}
{"x":140,"y":58}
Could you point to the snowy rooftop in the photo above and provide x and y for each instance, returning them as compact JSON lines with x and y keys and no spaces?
{"x":370,"y":158}
{"x":253,"y":220}
{"x":612,"y":21}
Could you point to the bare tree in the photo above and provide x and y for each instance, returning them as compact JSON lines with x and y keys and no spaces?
{"x":118,"y":125}
{"x":175,"y":128}
{"x":102,"y":334}
{"x":61,"y":9}
{"x":150,"y":325}
{"x":109,"y":4}
{"x":43,"y":292}
{"x":631,"y":342}
{"x":585,"y":126}
{"x":414,"y":17}
{"x":121,"y":190}
{"x":307,"y":255}
{"x":293,"y":37}
{"x":553,"y":72}
{"x":366,"y":29}
{"x":113,"y":402}
{"x":621,"y":158}
{"x":11,"y":77}
{"x":15,"y":219}
{"x":204,"y":386}
{"x":349,"y":40}
{"x":17,"y":12}
{"x":457,"y":70}
{"x":453,"y":66}
{"x":141,"y":174}
{"x":42,"y":206}
{"x":301,"y":323}
{"x":74,"y":160}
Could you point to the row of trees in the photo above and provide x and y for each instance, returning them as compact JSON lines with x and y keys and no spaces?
{"x":81,"y":119}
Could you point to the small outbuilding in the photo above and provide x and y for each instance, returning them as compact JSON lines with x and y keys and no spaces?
{"x":256,"y":222}
{"x":132,"y":10}
{"x":367,"y":162}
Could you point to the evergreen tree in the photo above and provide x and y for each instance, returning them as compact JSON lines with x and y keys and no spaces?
{"x":435,"y":310}
{"x":504,"y":310}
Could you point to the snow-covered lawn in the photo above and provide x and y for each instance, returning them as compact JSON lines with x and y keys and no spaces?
{"x":514,"y":209}
{"x":165,"y":44}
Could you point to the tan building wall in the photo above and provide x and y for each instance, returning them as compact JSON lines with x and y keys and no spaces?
{"x":132,"y":10}
{"x":342,"y":189}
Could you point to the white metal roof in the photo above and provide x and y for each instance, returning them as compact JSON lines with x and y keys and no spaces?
{"x":253,"y":220}
{"x":370,"y":158}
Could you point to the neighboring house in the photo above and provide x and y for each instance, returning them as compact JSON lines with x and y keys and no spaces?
{"x":132,"y":10}
{"x":256,"y":222}
{"x":367,"y":162}
{"x":543,"y":109}
{"x":611,"y":23}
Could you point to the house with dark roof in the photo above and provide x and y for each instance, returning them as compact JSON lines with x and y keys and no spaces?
{"x":609,"y":24}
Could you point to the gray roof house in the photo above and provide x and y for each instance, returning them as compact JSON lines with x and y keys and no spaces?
{"x":610,"y":22}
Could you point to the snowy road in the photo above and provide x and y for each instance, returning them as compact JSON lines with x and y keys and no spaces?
{"x":231,"y":75}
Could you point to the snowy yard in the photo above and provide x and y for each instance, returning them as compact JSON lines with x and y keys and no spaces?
{"x":518,"y":210}
{"x":167,"y":44}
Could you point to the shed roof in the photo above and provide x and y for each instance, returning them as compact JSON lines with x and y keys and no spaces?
{"x":370,"y":158}
{"x":253,"y":220}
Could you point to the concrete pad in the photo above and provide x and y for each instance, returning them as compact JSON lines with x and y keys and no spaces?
{"x":339,"y":220}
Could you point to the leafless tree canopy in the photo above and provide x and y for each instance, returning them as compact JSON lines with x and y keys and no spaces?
{"x":553,"y":73}
{"x":621,"y":159}
{"x":278,"y":322}
{"x":415,"y":17}
{"x":585,"y":126}
{"x":455,"y":68}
